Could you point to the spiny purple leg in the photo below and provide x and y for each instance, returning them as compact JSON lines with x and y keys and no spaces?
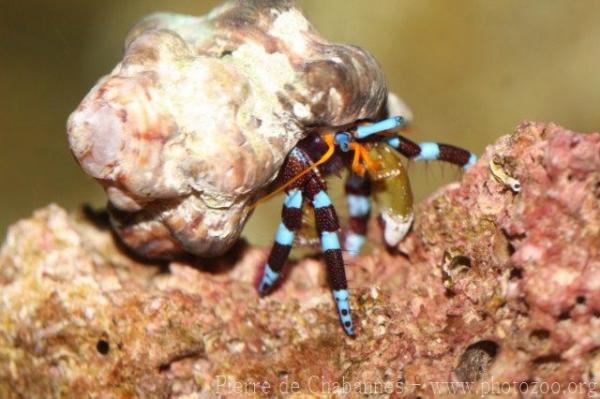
{"x":433,"y":152}
{"x":327,"y":225}
{"x":358,"y":191}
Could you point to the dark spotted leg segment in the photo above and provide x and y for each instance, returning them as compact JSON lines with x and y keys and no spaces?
{"x":327,"y":225}
{"x":433,"y":152}
{"x":358,"y":192}
{"x":291,"y":220}
{"x":314,"y":189}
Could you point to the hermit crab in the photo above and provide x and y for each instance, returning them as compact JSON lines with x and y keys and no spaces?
{"x":202,"y":115}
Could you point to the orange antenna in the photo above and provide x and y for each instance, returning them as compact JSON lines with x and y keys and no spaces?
{"x":361,"y":156}
{"x":328,"y":138}
{"x":356,"y":165}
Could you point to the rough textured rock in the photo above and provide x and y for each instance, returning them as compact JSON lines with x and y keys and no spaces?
{"x":493,"y":285}
{"x":197,"y":118}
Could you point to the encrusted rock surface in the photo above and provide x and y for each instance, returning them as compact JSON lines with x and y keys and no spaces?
{"x":492,"y":285}
{"x":199,"y":115}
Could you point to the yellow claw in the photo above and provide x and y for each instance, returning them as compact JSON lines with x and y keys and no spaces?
{"x":392,"y":192}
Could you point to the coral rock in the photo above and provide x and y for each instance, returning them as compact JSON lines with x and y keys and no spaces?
{"x":495,"y":287}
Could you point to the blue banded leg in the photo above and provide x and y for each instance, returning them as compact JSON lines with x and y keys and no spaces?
{"x":353,"y":243}
{"x":342,"y":301}
{"x":291,"y":220}
{"x":358,"y":191}
{"x":394,"y":122}
{"x":327,"y":226}
{"x":432,"y":152}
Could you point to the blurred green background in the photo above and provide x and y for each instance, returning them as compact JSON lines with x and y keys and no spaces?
{"x":470,"y":70}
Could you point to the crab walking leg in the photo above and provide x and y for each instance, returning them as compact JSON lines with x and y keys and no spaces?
{"x":367,"y":130}
{"x":432,"y":152}
{"x":358,"y":192}
{"x":291,"y":220}
{"x":327,"y":226}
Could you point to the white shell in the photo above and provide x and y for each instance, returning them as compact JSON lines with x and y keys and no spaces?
{"x":197,"y":118}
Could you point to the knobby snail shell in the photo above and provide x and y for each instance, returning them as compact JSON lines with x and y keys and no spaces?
{"x":196,"y":120}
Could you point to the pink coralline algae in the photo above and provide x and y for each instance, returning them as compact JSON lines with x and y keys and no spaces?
{"x":495,"y":291}
{"x":196,"y":120}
